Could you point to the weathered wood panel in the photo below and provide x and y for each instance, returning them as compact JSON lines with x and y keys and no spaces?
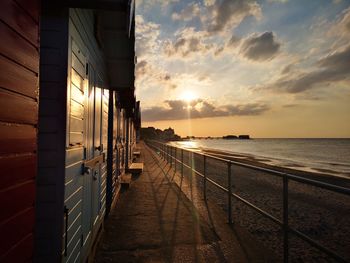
{"x":13,"y":167}
{"x":74,"y":155}
{"x":77,"y":95}
{"x":18,"y":109}
{"x":76,"y":109}
{"x":16,"y":199}
{"x":31,"y":6}
{"x":76,"y":138}
{"x":19,"y":63}
{"x":18,"y":19}
{"x":17,"y":138}
{"x":22,"y":252}
{"x":78,"y":65}
{"x":16,"y":78}
{"x":77,"y":80}
{"x":13,"y":46}
{"x":13,"y":231}
{"x":76,"y":125}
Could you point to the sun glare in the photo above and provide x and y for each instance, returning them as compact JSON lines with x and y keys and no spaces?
{"x":188,"y":96}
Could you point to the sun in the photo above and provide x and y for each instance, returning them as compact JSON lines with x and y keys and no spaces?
{"x":188,"y":96}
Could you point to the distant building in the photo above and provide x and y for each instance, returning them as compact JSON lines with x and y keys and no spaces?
{"x":230,"y":137}
{"x":151,"y":133}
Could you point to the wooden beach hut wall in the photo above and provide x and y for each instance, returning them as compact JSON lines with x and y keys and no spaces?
{"x":86,"y":59}
{"x":137,"y":121}
{"x":128,"y":103}
{"x":19,"y":90}
{"x":122,"y":141}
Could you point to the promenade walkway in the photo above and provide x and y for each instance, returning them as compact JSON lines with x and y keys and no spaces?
{"x":160,"y":219}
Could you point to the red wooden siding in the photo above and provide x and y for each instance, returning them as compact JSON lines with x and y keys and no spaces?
{"x":19,"y":86}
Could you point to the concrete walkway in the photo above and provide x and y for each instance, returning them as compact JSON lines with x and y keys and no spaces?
{"x":154,"y":221}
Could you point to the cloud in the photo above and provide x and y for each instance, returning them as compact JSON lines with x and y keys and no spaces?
{"x":178,"y":110}
{"x":209,"y":2}
{"x":192,"y":10}
{"x":277,"y":1}
{"x":147,"y":35}
{"x":338,"y":30}
{"x":260,"y":47}
{"x":343,"y":25}
{"x":227,"y":14}
{"x":234,"y":41}
{"x":334,"y":67}
{"x":287,"y":69}
{"x":148,"y":4}
{"x":147,"y":72}
{"x":187,"y":42}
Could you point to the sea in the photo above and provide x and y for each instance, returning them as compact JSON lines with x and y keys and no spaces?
{"x":328,"y":156}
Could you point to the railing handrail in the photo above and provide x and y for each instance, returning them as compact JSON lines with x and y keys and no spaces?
{"x":331,"y":187}
{"x":285,"y":176}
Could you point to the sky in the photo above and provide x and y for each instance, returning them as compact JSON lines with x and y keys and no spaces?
{"x":270,"y":68}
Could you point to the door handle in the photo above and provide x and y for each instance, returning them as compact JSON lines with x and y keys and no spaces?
{"x":95,"y":176}
{"x":87,"y":170}
{"x":99,"y":148}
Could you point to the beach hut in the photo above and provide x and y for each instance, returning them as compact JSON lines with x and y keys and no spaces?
{"x":19,"y":90}
{"x":64,"y":134}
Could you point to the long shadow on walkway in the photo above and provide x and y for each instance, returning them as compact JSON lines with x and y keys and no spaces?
{"x":154,"y":221}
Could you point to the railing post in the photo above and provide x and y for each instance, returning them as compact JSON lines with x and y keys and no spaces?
{"x":175,"y":159}
{"x":191,"y":166}
{"x":167,"y":153}
{"x":285,"y":220}
{"x":171,"y":156}
{"x":205,"y":177}
{"x":182,"y":162}
{"x":229,"y":193}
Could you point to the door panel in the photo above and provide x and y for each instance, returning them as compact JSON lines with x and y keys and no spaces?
{"x":74,"y":179}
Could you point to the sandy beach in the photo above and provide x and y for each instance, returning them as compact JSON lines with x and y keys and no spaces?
{"x":320,"y":214}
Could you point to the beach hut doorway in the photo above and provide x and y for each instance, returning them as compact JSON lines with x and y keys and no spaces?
{"x":94,"y":159}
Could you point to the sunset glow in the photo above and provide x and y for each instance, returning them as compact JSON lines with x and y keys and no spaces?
{"x":269,"y":68}
{"x":188,"y":96}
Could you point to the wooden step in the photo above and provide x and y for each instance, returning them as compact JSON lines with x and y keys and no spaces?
{"x":136,"y":168}
{"x":125,"y":180}
{"x":137,"y":153}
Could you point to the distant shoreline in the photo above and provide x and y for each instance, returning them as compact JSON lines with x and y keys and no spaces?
{"x":323,"y":175}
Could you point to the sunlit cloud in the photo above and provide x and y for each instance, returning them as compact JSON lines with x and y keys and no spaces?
{"x":227,"y":14}
{"x":277,"y":1}
{"x":333,"y":68}
{"x":195,"y":109}
{"x":187,"y":14}
{"x":187,"y":42}
{"x":151,"y":74}
{"x":146,"y":37}
{"x":260,"y":47}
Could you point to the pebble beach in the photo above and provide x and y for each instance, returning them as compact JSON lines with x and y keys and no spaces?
{"x":320,"y":214}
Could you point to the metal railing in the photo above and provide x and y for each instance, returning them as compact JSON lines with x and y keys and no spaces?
{"x":169,"y":153}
